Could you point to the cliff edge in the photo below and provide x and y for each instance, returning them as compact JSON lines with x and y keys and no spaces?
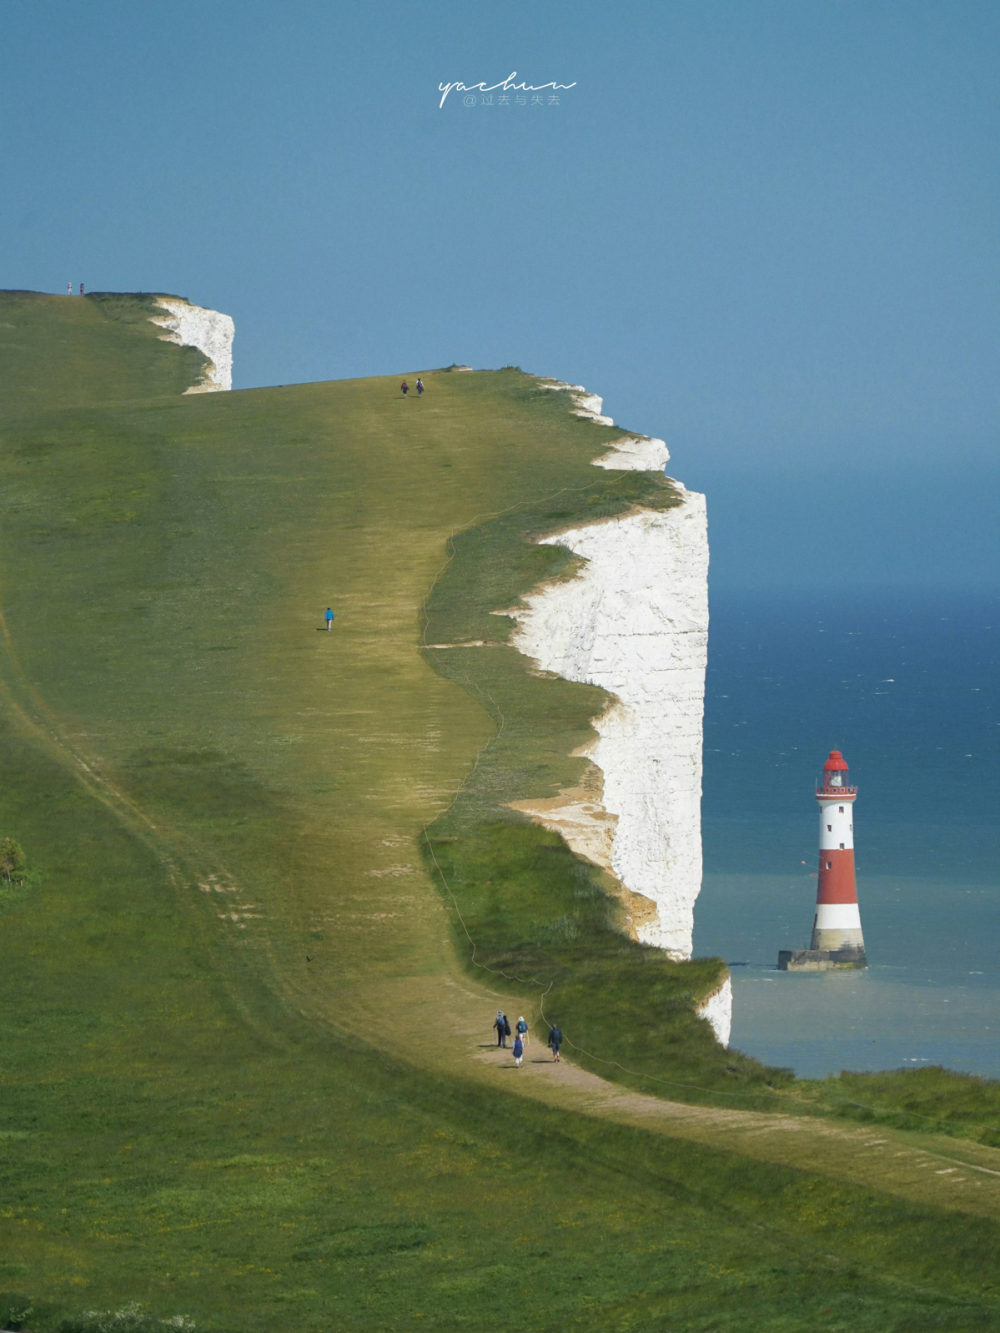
{"x":211,"y":332}
{"x":634,"y":621}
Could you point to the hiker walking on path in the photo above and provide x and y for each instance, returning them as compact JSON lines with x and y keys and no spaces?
{"x":502,"y":1027}
{"x":555,"y":1041}
{"x":522,"y":1030}
{"x":329,"y":618}
{"x":518,"y":1050}
{"x":420,"y":388}
{"x":405,"y":388}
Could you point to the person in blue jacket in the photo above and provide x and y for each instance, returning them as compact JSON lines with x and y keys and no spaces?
{"x":329,"y":618}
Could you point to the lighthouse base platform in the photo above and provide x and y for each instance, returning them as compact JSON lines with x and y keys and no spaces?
{"x":820,"y":960}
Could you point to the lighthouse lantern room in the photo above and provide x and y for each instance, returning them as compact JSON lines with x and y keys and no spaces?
{"x":837,"y":940}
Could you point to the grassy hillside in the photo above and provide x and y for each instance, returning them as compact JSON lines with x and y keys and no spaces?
{"x":61,"y":350}
{"x":240,"y":1069}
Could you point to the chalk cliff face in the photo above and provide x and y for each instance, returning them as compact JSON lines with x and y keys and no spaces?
{"x":634,"y":621}
{"x":718,"y":1010}
{"x":212,"y":333}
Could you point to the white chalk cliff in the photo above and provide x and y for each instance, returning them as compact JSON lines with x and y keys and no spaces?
{"x":634,"y":621}
{"x":718,"y":1010}
{"x":192,"y":326}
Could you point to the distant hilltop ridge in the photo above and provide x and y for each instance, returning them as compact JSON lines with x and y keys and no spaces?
{"x":107,"y":347}
{"x":187,"y":325}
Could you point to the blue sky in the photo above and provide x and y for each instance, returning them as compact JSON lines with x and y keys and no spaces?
{"x":766,"y":232}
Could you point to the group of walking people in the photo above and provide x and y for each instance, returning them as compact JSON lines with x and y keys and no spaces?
{"x":404,"y":388}
{"x":520,"y":1034}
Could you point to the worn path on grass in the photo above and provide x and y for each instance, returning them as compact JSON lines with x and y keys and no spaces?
{"x":447,"y":1028}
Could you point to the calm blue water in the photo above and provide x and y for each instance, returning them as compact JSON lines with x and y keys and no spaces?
{"x":907,"y":686}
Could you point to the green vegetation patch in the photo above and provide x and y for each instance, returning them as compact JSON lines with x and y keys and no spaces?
{"x":929,"y":1100}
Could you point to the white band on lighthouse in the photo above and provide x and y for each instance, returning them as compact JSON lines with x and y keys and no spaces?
{"x":837,"y":916}
{"x":836,"y":826}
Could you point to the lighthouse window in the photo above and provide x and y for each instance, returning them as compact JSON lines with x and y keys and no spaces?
{"x":829,"y":828}
{"x":841,"y":846}
{"x":829,"y":865}
{"x":841,"y":809}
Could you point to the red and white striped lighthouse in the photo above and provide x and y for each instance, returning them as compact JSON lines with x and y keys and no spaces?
{"x":837,"y":925}
{"x":837,"y":940}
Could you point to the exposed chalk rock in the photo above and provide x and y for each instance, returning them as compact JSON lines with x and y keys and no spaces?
{"x":193,"y":326}
{"x":634,"y":621}
{"x":632,"y":453}
{"x":578,"y":815}
{"x":585,"y":404}
{"x":718,"y":1009}
{"x":635,"y":453}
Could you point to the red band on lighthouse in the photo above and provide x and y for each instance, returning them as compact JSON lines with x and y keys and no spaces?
{"x":836,"y":877}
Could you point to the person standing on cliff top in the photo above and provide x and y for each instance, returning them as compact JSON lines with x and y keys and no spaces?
{"x":518,"y":1050}
{"x":404,"y":388}
{"x":522,"y":1030}
{"x":329,"y":617}
{"x":555,"y":1041}
{"x":501,"y":1025}
{"x":420,"y":388}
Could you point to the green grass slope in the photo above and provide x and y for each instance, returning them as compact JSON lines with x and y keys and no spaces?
{"x":61,"y":350}
{"x":236,"y":1085}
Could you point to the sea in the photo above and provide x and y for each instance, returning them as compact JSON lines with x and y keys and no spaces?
{"x":906,"y":684}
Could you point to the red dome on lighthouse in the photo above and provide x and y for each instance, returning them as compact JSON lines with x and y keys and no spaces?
{"x":834,"y":778}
